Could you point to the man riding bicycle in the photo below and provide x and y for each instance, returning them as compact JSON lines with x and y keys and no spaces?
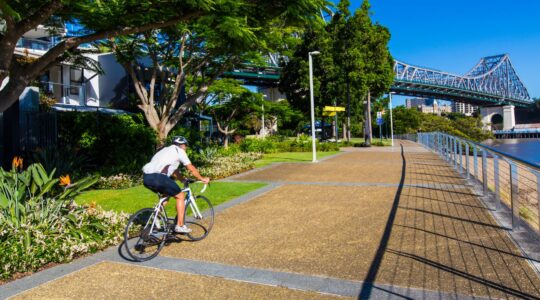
{"x":163,"y":165}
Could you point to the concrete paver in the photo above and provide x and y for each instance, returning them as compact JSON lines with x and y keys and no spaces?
{"x":121,"y":281}
{"x":329,"y":231}
{"x":410,"y":222}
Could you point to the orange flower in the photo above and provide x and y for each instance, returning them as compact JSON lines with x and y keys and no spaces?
{"x":17,"y":162}
{"x":65,"y":180}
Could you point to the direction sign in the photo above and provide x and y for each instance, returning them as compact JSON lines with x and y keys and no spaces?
{"x":334,"y":108}
{"x":380,"y":121}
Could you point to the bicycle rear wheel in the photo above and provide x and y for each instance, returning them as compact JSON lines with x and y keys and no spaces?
{"x":200,"y":220}
{"x":142,"y":240}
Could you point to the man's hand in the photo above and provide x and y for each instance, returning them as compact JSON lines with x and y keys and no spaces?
{"x":196,"y":173}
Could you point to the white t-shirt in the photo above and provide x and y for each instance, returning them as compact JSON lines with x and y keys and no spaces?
{"x":170,"y":157}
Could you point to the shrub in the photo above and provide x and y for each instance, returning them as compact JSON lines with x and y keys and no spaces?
{"x":64,"y":160}
{"x":115,"y":143}
{"x":258,"y":145}
{"x":224,"y":166}
{"x":40,"y":224}
{"x":119,"y":181}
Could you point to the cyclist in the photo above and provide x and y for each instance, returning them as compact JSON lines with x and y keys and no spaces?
{"x":163,"y":165}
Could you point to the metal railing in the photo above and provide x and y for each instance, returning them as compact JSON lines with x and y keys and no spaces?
{"x":513,"y":181}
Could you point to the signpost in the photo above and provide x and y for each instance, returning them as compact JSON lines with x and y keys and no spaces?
{"x":331,"y":111}
{"x":380,"y":121}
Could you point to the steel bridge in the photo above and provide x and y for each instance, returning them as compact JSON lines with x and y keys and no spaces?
{"x":493,"y":81}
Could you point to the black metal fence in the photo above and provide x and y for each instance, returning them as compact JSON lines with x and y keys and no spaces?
{"x":38,"y":130}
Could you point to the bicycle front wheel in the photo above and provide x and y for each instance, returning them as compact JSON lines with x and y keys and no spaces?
{"x":199,"y":217}
{"x":145,"y":234}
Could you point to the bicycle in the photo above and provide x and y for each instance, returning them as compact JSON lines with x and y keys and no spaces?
{"x":149,"y":228}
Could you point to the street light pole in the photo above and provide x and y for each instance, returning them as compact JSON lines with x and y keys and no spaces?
{"x":263,"y":130}
{"x":314,"y":150}
{"x":391,"y":119}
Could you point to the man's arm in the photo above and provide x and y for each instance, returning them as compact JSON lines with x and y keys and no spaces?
{"x":176,"y":174}
{"x":196,"y":173}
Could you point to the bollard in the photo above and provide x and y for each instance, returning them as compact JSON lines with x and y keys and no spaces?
{"x":467,"y":160}
{"x":475,"y":154}
{"x":514,"y":195}
{"x":497,"y":185}
{"x":484,"y":171}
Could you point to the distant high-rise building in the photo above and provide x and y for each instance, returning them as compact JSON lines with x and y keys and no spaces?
{"x":464,"y":108}
{"x":415,"y":102}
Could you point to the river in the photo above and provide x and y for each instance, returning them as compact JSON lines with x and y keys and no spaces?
{"x":526,"y":149}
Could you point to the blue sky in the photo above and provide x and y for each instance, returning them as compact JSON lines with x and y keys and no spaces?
{"x":453,"y":35}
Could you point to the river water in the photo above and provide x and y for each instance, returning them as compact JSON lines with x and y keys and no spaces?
{"x":526,"y":149}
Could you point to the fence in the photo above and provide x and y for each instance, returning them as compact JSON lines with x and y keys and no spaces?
{"x":514,"y":182}
{"x":37,"y":130}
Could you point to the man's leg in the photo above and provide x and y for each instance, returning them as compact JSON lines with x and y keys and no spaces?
{"x":180,"y":207}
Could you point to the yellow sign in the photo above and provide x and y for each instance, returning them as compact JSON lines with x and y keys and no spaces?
{"x":334,"y":108}
{"x":328,"y":113}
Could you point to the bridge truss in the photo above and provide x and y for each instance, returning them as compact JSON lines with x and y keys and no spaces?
{"x":493,"y":81}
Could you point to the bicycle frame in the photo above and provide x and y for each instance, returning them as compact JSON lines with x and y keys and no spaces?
{"x":190,"y":200}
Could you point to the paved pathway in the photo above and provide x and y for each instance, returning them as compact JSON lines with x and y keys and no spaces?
{"x":367,"y":223}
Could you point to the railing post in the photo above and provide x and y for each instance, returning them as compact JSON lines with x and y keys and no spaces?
{"x":455,"y":153}
{"x":460,"y":157}
{"x":447,"y":148}
{"x":440,"y":137}
{"x":475,"y":154}
{"x":497,"y":185}
{"x":467,"y":160}
{"x":484,"y":171}
{"x":514,"y":182}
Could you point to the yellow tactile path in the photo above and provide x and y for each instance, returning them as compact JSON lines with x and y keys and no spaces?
{"x":119,"y":281}
{"x":440,"y":238}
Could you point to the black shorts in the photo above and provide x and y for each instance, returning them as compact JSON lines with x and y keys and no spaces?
{"x":161,"y":183}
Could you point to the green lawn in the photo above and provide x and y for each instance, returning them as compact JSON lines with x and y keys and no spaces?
{"x":386,"y":142}
{"x":290,"y":157}
{"x":132,"y":199}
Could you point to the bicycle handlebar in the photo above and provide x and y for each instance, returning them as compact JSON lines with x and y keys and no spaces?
{"x":189,"y":181}
{"x":204,"y":187}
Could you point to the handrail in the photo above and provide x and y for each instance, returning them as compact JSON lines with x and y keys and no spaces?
{"x":517,"y":182}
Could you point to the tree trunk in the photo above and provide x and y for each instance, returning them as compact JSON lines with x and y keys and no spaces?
{"x":9,"y":95}
{"x":226,"y":141}
{"x":162,"y":131}
{"x":367,"y":111}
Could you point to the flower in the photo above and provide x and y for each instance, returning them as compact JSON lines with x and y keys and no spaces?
{"x":65,"y":180}
{"x":17,"y":162}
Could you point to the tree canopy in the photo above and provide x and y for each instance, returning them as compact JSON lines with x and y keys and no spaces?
{"x":108,"y":19}
{"x":353,"y":49}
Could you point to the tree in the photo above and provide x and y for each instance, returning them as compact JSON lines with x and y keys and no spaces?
{"x":278,"y":113}
{"x":107,"y":19}
{"x":229,"y":103}
{"x":354,"y":60}
{"x":183,"y":61}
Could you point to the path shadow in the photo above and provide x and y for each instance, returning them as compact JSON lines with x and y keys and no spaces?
{"x":367,"y":289}
{"x":444,"y":239}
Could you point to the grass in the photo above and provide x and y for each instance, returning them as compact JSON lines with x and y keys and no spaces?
{"x":132,"y":199}
{"x":386,"y":142}
{"x":290,"y":157}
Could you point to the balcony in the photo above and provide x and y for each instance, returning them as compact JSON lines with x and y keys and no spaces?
{"x":34,"y":44}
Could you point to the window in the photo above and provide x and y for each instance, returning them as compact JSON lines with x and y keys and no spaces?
{"x":76,"y":80}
